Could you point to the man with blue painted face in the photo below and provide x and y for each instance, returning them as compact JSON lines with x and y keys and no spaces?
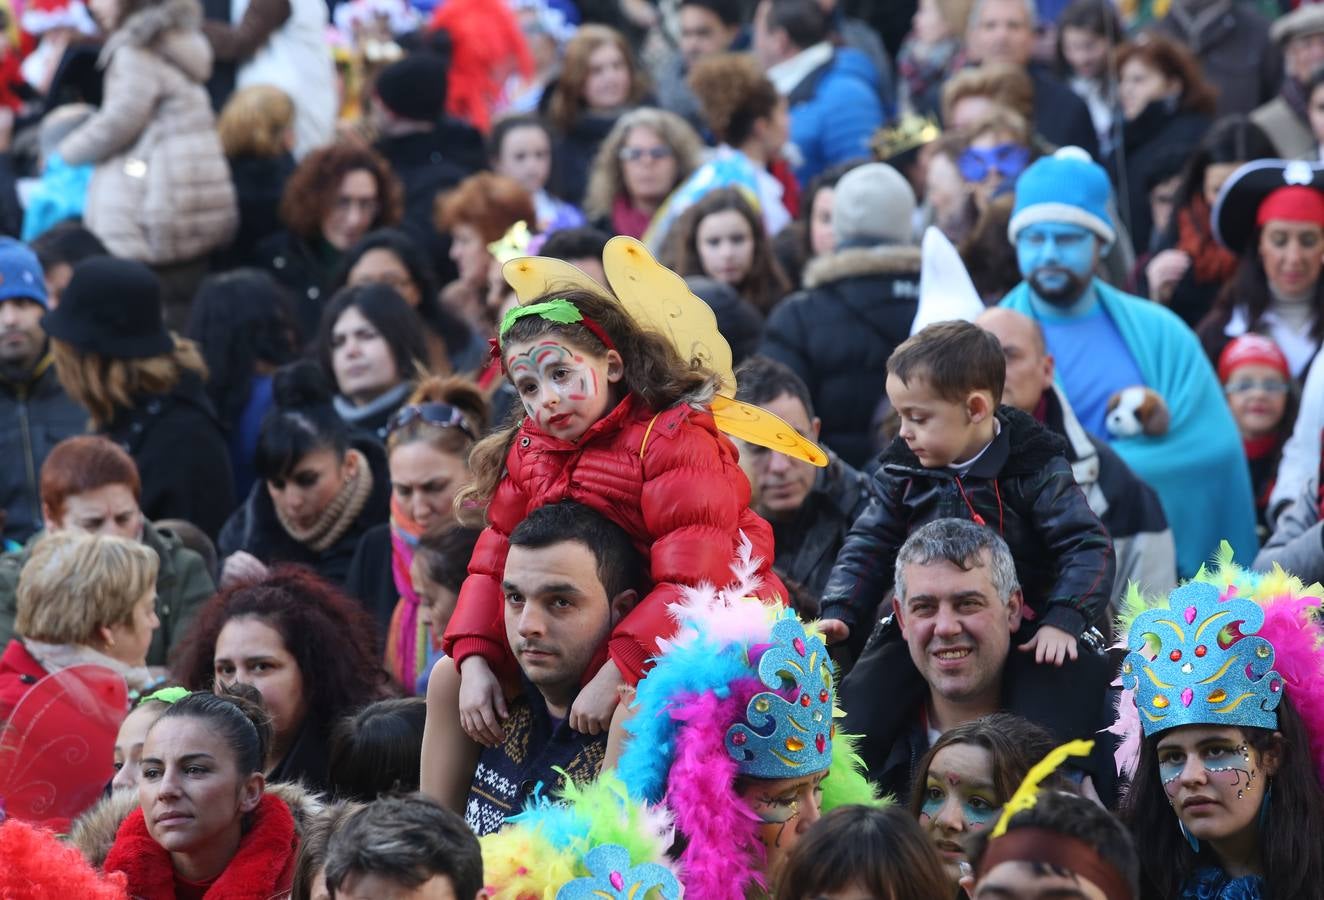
{"x":1105,"y":341}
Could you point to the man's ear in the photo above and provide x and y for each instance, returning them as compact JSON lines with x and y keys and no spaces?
{"x":53,"y":522}
{"x":896,"y":611}
{"x":1015,"y":609}
{"x":622,"y":603}
{"x":615,"y":367}
{"x":1050,"y":369}
{"x":816,"y":427}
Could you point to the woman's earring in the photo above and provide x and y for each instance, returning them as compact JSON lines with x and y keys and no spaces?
{"x":1190,"y":838}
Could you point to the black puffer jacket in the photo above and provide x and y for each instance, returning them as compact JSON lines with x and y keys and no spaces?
{"x":179,"y":446}
{"x":1023,"y":486}
{"x":837,"y":334}
{"x":254,"y":527}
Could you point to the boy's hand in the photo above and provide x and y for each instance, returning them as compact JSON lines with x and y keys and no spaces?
{"x":482,"y":704}
{"x":1051,"y":645}
{"x":834,"y":630}
{"x":592,"y":710}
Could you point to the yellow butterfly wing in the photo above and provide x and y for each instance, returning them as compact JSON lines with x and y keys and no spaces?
{"x":534,"y":277}
{"x":660,"y":300}
{"x":758,"y":426}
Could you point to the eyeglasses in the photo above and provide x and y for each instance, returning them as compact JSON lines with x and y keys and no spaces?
{"x":1246,"y":385}
{"x":1008,"y":160}
{"x":634,"y":154}
{"x":439,"y":415}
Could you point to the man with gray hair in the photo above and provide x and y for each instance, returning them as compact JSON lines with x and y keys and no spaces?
{"x":957,"y":603}
{"x":404,"y":848}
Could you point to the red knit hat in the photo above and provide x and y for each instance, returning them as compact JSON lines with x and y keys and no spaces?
{"x":1251,"y":350}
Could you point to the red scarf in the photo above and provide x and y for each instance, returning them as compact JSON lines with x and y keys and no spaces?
{"x":262,"y":867}
{"x":627,"y":220}
{"x":1211,"y":262}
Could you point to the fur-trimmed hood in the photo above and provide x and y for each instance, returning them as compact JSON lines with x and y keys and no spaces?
{"x":857,"y":262}
{"x":171,"y":29}
{"x":93,"y":833}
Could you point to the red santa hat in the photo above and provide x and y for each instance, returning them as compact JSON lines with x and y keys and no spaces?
{"x":41,"y":16}
{"x":1251,"y":350}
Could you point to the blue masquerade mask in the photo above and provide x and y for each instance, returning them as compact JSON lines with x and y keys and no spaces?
{"x":1008,"y":160}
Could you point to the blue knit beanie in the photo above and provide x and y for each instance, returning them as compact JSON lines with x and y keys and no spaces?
{"x":1067,"y":188}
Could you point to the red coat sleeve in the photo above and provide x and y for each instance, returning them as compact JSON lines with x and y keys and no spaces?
{"x":693,"y":500}
{"x":478,"y":624}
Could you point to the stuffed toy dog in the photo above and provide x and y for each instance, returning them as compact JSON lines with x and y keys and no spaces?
{"x":1137,"y":410}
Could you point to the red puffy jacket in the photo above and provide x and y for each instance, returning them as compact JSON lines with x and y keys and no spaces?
{"x":670,"y":479}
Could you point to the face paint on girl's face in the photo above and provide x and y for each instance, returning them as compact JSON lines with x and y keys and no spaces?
{"x":959,"y":798}
{"x":1214,"y":780}
{"x":563,"y":389}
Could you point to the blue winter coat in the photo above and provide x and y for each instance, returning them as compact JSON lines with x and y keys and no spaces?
{"x":834,"y":112}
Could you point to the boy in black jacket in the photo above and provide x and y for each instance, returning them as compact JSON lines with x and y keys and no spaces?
{"x":960,"y":455}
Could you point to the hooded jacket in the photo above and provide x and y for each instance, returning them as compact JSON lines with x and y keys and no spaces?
{"x":670,"y":480}
{"x":161,"y":192}
{"x":1022,"y":486}
{"x":838,"y":332}
{"x":254,"y":527}
{"x":95,"y":832}
{"x":182,"y":585}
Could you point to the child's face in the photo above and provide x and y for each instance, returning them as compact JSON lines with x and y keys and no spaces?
{"x":526,"y":156}
{"x":563,"y":389}
{"x":940,"y":432}
{"x":1257,"y":396}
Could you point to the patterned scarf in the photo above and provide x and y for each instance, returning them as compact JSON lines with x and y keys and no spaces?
{"x":407,"y":641}
{"x":340,"y":514}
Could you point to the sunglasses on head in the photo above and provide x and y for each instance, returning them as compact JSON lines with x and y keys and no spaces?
{"x":440,"y":415}
{"x":1008,"y":160}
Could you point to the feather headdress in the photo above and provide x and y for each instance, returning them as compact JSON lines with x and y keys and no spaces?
{"x":1291,"y":662}
{"x":743,"y":689}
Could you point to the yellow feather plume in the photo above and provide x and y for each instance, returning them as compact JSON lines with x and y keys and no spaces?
{"x":1028,"y":793}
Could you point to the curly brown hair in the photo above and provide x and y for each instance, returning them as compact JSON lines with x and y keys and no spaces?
{"x":1005,"y":85}
{"x":312,"y":188}
{"x":607,"y":181}
{"x":654,"y":370}
{"x":1171,"y":60}
{"x":330,"y":636}
{"x":567,"y":101}
{"x":489,"y":203}
{"x":733,"y":93}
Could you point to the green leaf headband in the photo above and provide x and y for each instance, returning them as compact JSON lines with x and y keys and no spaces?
{"x":170,"y":695}
{"x":560,"y":310}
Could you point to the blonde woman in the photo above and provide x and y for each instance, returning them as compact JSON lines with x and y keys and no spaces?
{"x":143,"y":388}
{"x":645,"y":156}
{"x":82,"y":599}
{"x":257,"y":132}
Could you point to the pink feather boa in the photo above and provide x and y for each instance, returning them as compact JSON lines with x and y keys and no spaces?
{"x":724,"y":855}
{"x":1289,"y":625}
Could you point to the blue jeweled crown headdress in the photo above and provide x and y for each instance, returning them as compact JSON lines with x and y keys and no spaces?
{"x":788,"y":730}
{"x":1199,"y":661}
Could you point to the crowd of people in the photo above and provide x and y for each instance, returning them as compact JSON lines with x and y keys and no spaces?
{"x":797,"y":449}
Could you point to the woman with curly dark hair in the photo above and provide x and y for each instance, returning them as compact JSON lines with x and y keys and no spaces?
{"x":336,"y":195}
{"x":310,"y":650}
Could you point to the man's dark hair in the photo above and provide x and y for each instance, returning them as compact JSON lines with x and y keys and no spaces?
{"x":804,"y":20}
{"x":761,"y":380}
{"x":584,"y":242}
{"x":620,"y":565}
{"x":69,"y":243}
{"x":955,"y":358}
{"x":731,"y":12}
{"x":407,"y":839}
{"x":1073,"y":816}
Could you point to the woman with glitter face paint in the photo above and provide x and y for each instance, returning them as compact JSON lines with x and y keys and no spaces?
{"x":967,"y":776}
{"x":1225,"y":800}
